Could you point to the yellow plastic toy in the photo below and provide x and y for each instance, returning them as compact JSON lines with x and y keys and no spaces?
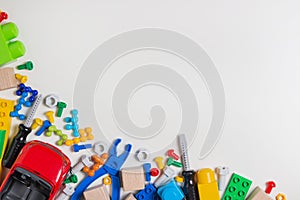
{"x":6,"y":106}
{"x":280,"y":197}
{"x":207,"y":185}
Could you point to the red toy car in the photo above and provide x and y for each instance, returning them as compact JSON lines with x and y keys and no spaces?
{"x":37,"y":174}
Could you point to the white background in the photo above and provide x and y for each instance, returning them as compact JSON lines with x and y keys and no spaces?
{"x":254,"y":45}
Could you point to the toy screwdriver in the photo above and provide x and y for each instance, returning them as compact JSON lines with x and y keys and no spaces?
{"x":189,"y":186}
{"x":19,"y":140}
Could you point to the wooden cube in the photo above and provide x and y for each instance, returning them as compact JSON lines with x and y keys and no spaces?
{"x":133,"y":178}
{"x":97,"y":193}
{"x":7,"y":79}
{"x":258,"y":194}
{"x":130,"y":197}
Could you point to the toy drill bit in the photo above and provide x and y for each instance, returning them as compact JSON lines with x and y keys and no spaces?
{"x":189,"y":187}
{"x":19,"y":140}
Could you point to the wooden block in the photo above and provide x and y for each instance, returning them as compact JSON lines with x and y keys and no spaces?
{"x":258,"y":194}
{"x":133,"y":178}
{"x":7,"y":79}
{"x":130,"y":197}
{"x":97,"y":193}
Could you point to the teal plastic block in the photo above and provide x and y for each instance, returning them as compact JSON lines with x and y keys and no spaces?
{"x":170,"y":191}
{"x":237,"y":188}
{"x":10,"y":49}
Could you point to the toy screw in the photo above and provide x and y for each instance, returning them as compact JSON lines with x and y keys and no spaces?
{"x":270,"y":185}
{"x":222,"y":173}
{"x":72,"y":179}
{"x":172,"y":154}
{"x":50,"y":115}
{"x":171,"y":161}
{"x":159,"y":162}
{"x":37,"y":122}
{"x":22,"y":79}
{"x":61,"y":106}
{"x":28,"y":65}
{"x":46,"y":125}
{"x":84,"y":161}
{"x":77,"y":147}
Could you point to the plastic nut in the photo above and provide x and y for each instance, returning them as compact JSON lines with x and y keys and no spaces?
{"x":142,"y":155}
{"x":51,"y":100}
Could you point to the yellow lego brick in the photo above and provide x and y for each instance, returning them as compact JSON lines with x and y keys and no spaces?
{"x":6,"y":106}
{"x":207,"y":185}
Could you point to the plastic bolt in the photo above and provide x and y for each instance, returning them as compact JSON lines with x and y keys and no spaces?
{"x":37,"y":122}
{"x":159,"y":162}
{"x":172,"y":154}
{"x":61,"y":106}
{"x":270,"y":185}
{"x":77,"y":147}
{"x":84,"y":161}
{"x":171,"y":161}
{"x":72,"y":179}
{"x":222,"y":173}
{"x":28,"y":66}
{"x":50,"y":115}
{"x":46,"y":125}
{"x":22,"y":79}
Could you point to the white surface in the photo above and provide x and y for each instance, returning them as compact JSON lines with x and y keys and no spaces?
{"x":254,"y":45}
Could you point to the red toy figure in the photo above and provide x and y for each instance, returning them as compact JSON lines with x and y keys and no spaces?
{"x":37,"y":174}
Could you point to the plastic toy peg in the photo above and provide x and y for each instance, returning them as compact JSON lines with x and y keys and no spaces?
{"x":159,"y":162}
{"x":36,"y":123}
{"x":63,"y":137}
{"x":107,"y":180}
{"x":84,"y":161}
{"x":61,"y":106}
{"x":171,"y":161}
{"x":222,"y":172}
{"x":73,"y":122}
{"x":50,"y":116}
{"x":3,"y":16}
{"x":21,"y":78}
{"x":270,"y":185}
{"x":207,"y":185}
{"x":46,"y":124}
{"x":72,"y":179}
{"x":172,"y":154}
{"x":77,"y":147}
{"x":179,"y":179}
{"x":86,"y":134}
{"x":73,"y":141}
{"x":98,"y":162}
{"x":10,"y":50}
{"x":170,"y":191}
{"x":148,"y":193}
{"x":280,"y":197}
{"x":237,"y":188}
{"x":28,"y":66}
{"x":154,"y":172}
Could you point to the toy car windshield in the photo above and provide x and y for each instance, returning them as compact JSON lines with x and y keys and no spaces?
{"x":24,"y":185}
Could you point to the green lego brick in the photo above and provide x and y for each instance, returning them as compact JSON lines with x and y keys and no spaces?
{"x":2,"y":138}
{"x":237,"y":188}
{"x":10,"y":49}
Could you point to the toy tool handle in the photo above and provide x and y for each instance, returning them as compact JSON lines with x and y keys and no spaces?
{"x":16,"y":146}
{"x":189,"y":186}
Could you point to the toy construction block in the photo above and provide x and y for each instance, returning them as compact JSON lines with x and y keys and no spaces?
{"x":97,"y":193}
{"x":7,"y":78}
{"x":6,"y":106}
{"x":207,"y":185}
{"x":133,"y":178}
{"x":10,"y":49}
{"x":258,"y":194}
{"x":130,"y":197}
{"x":237,"y":188}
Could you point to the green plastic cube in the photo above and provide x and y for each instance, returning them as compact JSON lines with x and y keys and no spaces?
{"x":10,"y":49}
{"x":237,"y":188}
